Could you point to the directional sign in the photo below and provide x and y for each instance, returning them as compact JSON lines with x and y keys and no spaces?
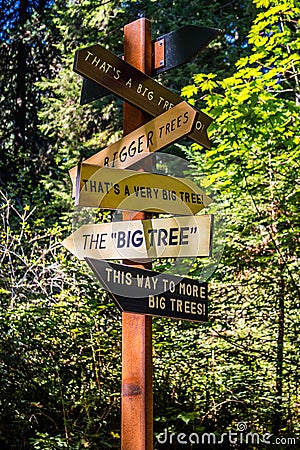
{"x":151,"y":137}
{"x":103,"y":67}
{"x":170,"y":51}
{"x":187,"y":236}
{"x":109,"y":188}
{"x":184,"y":44}
{"x":152,"y":293}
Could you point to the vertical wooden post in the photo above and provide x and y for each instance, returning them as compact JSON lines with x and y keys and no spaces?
{"x":137,"y":391}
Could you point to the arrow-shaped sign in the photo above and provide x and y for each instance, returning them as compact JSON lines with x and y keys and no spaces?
{"x":109,"y":188}
{"x":132,"y":85}
{"x":170,"y":50}
{"x":151,"y":137}
{"x":152,"y":293}
{"x":187,"y":236}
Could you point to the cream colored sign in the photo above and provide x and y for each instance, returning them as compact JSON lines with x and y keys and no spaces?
{"x":151,"y":137}
{"x":138,"y":191}
{"x":188,"y":236}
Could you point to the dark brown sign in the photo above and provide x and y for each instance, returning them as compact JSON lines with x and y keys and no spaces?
{"x":132,"y":85}
{"x":169,"y":51}
{"x":152,"y":293}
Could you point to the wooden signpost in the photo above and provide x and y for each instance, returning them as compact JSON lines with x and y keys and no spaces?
{"x":187,"y":236}
{"x":151,"y":137}
{"x":138,"y":191}
{"x":137,"y":369}
{"x":100,"y":65}
{"x":153,"y":293}
{"x":138,"y":239}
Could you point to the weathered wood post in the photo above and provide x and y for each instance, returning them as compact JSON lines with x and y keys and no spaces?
{"x":137,"y":395}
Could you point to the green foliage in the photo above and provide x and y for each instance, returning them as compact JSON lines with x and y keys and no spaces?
{"x":60,"y":342}
{"x":27,"y":51}
{"x":254,"y":164}
{"x":60,"y":334}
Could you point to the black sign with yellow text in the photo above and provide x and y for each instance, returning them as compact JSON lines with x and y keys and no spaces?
{"x":152,"y":293}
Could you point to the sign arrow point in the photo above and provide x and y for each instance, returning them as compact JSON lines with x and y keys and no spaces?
{"x":68,"y":243}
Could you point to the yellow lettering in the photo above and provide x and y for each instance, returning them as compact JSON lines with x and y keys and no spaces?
{"x":156,"y":302}
{"x":187,"y":307}
{"x":195,"y":290}
{"x":193,"y":308}
{"x":128,"y":278}
{"x":200,"y":309}
{"x":96,"y":61}
{"x":117,"y":74}
{"x":202,"y":292}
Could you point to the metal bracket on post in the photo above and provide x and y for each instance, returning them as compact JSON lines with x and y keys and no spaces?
{"x":159,"y":54}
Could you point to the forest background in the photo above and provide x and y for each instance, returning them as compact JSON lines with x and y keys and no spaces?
{"x":60,"y":355}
